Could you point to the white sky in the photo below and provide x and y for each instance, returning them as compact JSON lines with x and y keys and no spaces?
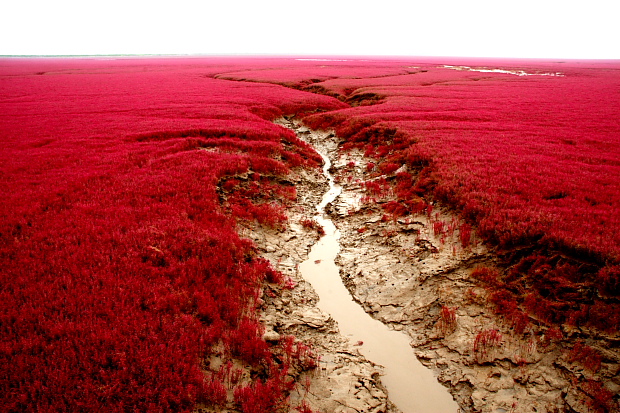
{"x":587,"y":29}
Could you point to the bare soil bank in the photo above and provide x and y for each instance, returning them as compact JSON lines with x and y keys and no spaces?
{"x":344,"y":381}
{"x":408,"y":277}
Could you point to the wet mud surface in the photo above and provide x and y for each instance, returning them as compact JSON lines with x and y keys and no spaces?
{"x":416,"y":280}
{"x":344,"y":381}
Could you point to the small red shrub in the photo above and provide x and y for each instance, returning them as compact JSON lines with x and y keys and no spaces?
{"x":387,"y":168}
{"x":438,"y":227}
{"x":395,"y":208}
{"x":608,"y":281}
{"x":586,"y":356}
{"x":213,"y":392}
{"x":447,"y":319}
{"x":487,"y":275}
{"x":309,"y":223}
{"x":601,"y":398}
{"x":485,"y":341}
{"x":465,"y":235}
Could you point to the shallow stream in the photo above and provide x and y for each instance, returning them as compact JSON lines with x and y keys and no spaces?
{"x":411,"y":386}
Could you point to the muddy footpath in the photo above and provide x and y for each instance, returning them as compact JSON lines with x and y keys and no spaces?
{"x":415,"y":280}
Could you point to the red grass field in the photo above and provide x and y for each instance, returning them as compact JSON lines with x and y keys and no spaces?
{"x":121,"y":268}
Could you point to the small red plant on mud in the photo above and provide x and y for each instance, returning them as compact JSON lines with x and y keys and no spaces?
{"x":298,"y":354}
{"x":313,"y":224}
{"x":289,"y":283}
{"x":447,"y":319}
{"x":465,"y":235}
{"x":601,"y":398}
{"x":438,"y":227}
{"x":309,"y":223}
{"x":485,"y":341}
{"x":213,"y":391}
{"x":585,"y":355}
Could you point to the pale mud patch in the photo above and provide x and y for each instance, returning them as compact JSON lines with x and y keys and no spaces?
{"x":506,"y":71}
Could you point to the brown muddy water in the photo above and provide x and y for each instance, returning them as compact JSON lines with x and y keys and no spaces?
{"x":411,"y":387}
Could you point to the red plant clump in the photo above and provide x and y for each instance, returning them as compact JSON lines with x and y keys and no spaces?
{"x":586,"y":356}
{"x":313,"y":224}
{"x":438,"y":227}
{"x":447,"y":319}
{"x":600,"y":398}
{"x":465,"y":235}
{"x":485,"y":341}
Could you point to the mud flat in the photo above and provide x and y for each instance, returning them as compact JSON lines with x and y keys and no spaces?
{"x":344,"y":381}
{"x":411,"y":386}
{"x":408,"y":277}
{"x":417,"y":281}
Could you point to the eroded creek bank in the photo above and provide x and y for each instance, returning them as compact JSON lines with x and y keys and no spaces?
{"x":415,"y":279}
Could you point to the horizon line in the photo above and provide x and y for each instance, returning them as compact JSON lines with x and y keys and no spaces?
{"x":301,"y":56}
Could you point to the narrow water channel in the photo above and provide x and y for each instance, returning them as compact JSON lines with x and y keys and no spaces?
{"x":411,"y":386}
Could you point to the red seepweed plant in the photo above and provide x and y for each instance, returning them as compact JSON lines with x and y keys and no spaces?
{"x":485,"y":342}
{"x":585,"y":355}
{"x":447,"y":319}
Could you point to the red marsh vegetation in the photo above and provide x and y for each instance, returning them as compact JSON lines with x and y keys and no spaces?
{"x":123,"y":182}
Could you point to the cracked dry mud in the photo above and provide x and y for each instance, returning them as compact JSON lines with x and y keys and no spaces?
{"x":403,"y":274}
